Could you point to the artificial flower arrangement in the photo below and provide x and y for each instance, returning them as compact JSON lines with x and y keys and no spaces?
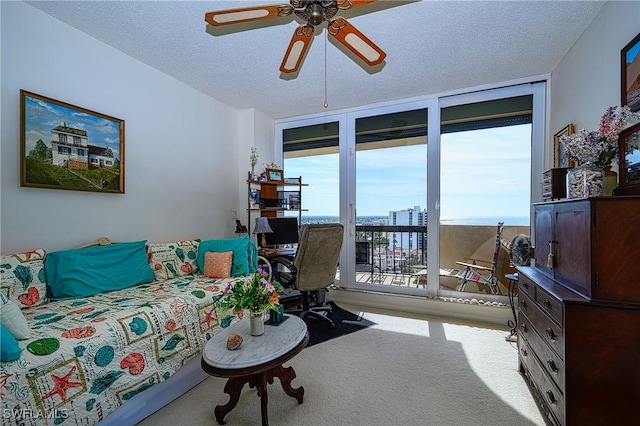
{"x":253,"y":159}
{"x":599,"y":148}
{"x":256,"y":294}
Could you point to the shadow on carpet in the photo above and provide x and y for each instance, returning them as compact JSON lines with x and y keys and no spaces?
{"x":346,"y":322}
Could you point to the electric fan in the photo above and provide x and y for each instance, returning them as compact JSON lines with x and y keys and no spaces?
{"x":521,"y":251}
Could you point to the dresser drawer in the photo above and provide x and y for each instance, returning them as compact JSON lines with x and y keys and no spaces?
{"x":549,"y":304}
{"x":549,"y":359}
{"x":525,"y":285}
{"x":539,"y":329}
{"x":550,"y":394}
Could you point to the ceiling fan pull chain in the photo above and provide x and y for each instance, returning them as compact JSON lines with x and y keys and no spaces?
{"x":326,"y":35}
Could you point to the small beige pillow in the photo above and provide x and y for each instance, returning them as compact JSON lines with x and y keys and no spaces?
{"x":218,"y":264}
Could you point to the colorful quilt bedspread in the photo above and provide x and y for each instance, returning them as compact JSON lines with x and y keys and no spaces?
{"x":88,"y":356}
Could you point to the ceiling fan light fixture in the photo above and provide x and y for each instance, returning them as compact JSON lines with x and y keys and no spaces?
{"x":315,"y":12}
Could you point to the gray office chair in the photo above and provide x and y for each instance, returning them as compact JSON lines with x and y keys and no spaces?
{"x":314,"y":266}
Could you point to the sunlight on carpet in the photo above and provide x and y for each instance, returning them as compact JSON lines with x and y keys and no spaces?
{"x":397,"y":371}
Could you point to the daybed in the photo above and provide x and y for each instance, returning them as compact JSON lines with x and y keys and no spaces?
{"x":108,"y":327}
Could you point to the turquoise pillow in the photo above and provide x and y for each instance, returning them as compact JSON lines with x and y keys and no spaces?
{"x":245,"y":254}
{"x":88,"y":271}
{"x":9,"y":348}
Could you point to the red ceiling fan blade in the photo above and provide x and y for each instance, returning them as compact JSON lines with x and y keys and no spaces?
{"x":350,"y":4}
{"x":355,"y":41}
{"x":300,"y":42}
{"x":246,"y":14}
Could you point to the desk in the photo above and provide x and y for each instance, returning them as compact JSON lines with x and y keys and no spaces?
{"x":289,"y":252}
{"x":257,"y":361}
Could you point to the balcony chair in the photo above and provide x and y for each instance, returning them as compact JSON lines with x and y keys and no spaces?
{"x":314,"y":266}
{"x":481,"y":274}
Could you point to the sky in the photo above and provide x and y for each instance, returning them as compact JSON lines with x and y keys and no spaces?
{"x":42,"y":116}
{"x":483,"y":173}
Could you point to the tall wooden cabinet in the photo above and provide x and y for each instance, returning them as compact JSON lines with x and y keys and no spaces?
{"x":579,"y":310}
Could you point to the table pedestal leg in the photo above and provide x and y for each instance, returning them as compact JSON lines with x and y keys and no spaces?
{"x":259,"y":381}
{"x":233,"y":388}
{"x":286,"y":375}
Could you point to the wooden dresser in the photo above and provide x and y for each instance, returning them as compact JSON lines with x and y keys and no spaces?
{"x":579,"y":311}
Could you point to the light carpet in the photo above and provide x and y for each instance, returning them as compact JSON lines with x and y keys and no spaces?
{"x":400,"y":371}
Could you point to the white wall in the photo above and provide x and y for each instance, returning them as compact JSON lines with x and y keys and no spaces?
{"x":181,"y":146}
{"x":587,"y":80}
{"x":257,"y":130}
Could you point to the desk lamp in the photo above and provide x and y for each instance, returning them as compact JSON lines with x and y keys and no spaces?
{"x":262,"y":227}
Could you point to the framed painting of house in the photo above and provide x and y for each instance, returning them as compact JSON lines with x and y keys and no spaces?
{"x":630,"y":69}
{"x":560,"y":158}
{"x":63,"y":146}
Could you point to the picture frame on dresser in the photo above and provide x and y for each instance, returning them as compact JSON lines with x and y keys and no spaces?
{"x":64,"y":146}
{"x":630,"y":74}
{"x":560,"y":159}
{"x":629,"y":160}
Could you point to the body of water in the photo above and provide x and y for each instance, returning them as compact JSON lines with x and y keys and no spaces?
{"x":382,"y":220}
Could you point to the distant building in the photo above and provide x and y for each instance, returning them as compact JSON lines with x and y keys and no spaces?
{"x":70,"y":148}
{"x":407,"y":240}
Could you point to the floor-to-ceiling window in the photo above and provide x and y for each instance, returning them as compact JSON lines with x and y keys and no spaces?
{"x":485,"y":179}
{"x":379,"y":167}
{"x":390,"y":196}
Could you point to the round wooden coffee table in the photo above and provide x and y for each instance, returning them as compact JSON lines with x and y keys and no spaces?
{"x":257,"y":361}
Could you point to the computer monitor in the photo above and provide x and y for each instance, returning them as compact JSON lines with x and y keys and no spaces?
{"x":285,"y":231}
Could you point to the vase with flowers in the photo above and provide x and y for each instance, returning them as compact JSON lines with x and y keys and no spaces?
{"x":253,"y":160}
{"x":257,"y":295}
{"x":594,"y":151}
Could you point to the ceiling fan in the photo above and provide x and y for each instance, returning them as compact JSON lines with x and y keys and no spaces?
{"x":314,"y":13}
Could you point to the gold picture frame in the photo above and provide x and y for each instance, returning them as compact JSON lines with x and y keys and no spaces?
{"x":630,"y":74}
{"x":560,"y":159}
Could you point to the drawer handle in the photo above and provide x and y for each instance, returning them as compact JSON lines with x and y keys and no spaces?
{"x":551,"y":397}
{"x":523,"y":304}
{"x":524,"y":284}
{"x":552,"y":366}
{"x":525,"y":353}
{"x":523,"y":327}
{"x":547,"y":304}
{"x":550,"y":334}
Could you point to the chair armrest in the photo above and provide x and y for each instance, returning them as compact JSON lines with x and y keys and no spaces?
{"x":474,"y":260}
{"x":284,"y":262}
{"x":474,"y":266}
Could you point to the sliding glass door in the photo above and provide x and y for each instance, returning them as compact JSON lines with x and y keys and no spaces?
{"x":390,"y":166}
{"x":400,"y":176}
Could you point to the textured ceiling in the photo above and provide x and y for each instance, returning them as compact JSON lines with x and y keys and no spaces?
{"x":432,"y":47}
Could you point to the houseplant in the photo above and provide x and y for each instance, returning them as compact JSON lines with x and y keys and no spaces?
{"x":595,"y":150}
{"x":257,"y":295}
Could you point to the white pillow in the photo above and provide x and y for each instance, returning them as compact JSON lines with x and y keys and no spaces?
{"x":12,"y":319}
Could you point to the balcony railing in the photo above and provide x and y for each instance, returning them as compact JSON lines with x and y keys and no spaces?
{"x":396,"y":255}
{"x":389,"y":254}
